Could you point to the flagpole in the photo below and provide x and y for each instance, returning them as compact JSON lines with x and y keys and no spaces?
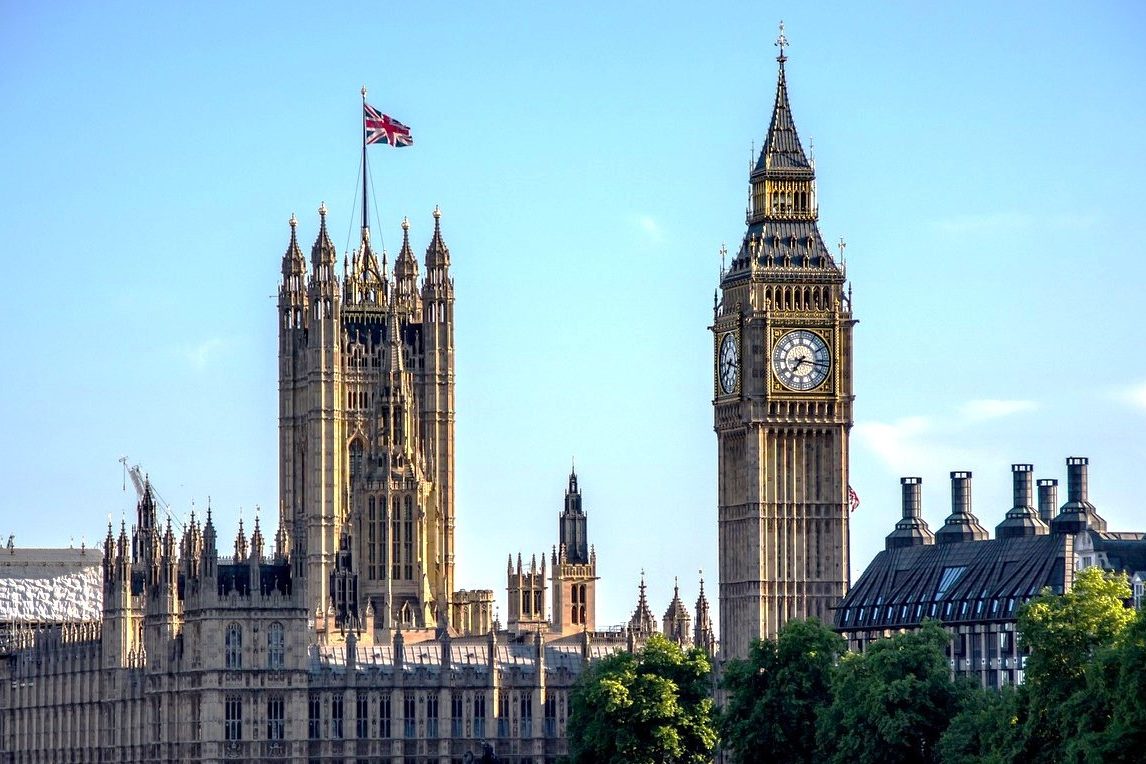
{"x":365,"y":223}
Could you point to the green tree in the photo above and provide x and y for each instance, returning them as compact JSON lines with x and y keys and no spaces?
{"x":985,"y":730}
{"x":1122,"y":672}
{"x":891,"y":703}
{"x":775,"y":693}
{"x":649,"y":707}
{"x":1067,"y":703}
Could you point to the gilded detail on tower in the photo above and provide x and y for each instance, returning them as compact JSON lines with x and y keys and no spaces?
{"x":366,"y":393}
{"x":782,"y":333}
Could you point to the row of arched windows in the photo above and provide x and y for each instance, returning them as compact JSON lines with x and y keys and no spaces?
{"x":233,"y":646}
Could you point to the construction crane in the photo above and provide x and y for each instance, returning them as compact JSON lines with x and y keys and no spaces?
{"x":140,"y":482}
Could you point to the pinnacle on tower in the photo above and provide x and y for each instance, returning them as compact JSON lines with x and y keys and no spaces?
{"x":782,"y":211}
{"x":322,"y":252}
{"x":294,"y":264}
{"x":643,"y":624}
{"x":782,"y":150}
{"x":437,"y":253}
{"x":405,"y":266}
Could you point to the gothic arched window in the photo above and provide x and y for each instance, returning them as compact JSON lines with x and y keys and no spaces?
{"x":355,"y":458}
{"x":233,"y":647}
{"x":276,"y":646}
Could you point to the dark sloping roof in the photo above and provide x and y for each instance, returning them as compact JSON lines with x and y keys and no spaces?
{"x":787,"y":243}
{"x":782,"y":150}
{"x":1127,"y":555}
{"x":970,"y":581}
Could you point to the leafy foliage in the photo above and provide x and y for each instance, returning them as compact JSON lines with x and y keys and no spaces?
{"x":892,"y":703}
{"x":774,"y":694}
{"x":985,"y":730}
{"x":1067,"y":701}
{"x":651,"y":707}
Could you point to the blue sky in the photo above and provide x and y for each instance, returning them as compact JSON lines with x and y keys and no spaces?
{"x":984,"y":164}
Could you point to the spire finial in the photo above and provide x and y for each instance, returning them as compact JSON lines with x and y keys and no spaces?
{"x":322,"y":211}
{"x":405,"y":223}
{"x":843,"y":246}
{"x":781,"y":43}
{"x":293,"y":222}
{"x":437,"y":212}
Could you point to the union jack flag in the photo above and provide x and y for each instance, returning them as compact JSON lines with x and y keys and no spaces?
{"x":381,"y":128}
{"x":853,"y":499}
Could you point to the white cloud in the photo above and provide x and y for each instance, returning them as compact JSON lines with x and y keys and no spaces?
{"x":650,"y":226}
{"x":926,"y":445}
{"x":200,"y":356}
{"x":1135,"y":395}
{"x":993,"y":408}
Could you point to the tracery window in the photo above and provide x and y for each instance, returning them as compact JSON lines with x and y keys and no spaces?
{"x":276,"y":646}
{"x":276,"y":717}
{"x":233,"y":718}
{"x":233,"y":647}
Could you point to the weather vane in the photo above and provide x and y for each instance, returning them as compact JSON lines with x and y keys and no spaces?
{"x":781,"y":41}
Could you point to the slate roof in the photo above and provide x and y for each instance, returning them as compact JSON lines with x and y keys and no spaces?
{"x":966,"y":582}
{"x":782,"y":153}
{"x":1125,"y":554}
{"x":784,"y":242}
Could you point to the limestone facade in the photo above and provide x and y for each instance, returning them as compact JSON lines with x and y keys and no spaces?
{"x":782,"y":403}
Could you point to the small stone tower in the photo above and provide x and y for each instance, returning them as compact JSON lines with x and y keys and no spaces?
{"x":574,"y":568}
{"x":526,"y":590}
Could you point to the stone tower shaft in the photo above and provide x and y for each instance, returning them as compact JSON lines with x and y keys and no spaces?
{"x":782,"y":329}
{"x":366,"y":406}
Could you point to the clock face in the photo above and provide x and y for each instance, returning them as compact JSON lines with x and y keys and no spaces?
{"x":801,"y":360}
{"x":728,"y":363}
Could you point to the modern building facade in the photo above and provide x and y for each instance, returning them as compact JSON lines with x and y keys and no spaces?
{"x":973,"y":584}
{"x":782,"y":401}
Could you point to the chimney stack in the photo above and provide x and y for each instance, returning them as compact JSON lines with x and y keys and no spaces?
{"x":911,"y":530}
{"x":961,"y":524}
{"x":1078,"y":514}
{"x":1048,"y":499}
{"x":1022,"y":519}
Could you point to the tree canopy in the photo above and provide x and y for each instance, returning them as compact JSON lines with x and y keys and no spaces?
{"x":774,"y":694}
{"x":891,"y":703}
{"x":649,"y":707}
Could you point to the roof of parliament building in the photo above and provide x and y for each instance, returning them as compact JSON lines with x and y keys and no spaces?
{"x":960,"y":575}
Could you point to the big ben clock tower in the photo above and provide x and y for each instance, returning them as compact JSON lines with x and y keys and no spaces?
{"x":782,"y":334}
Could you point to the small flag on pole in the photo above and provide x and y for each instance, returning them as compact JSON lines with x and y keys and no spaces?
{"x":381,"y":128}
{"x":853,"y":499}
